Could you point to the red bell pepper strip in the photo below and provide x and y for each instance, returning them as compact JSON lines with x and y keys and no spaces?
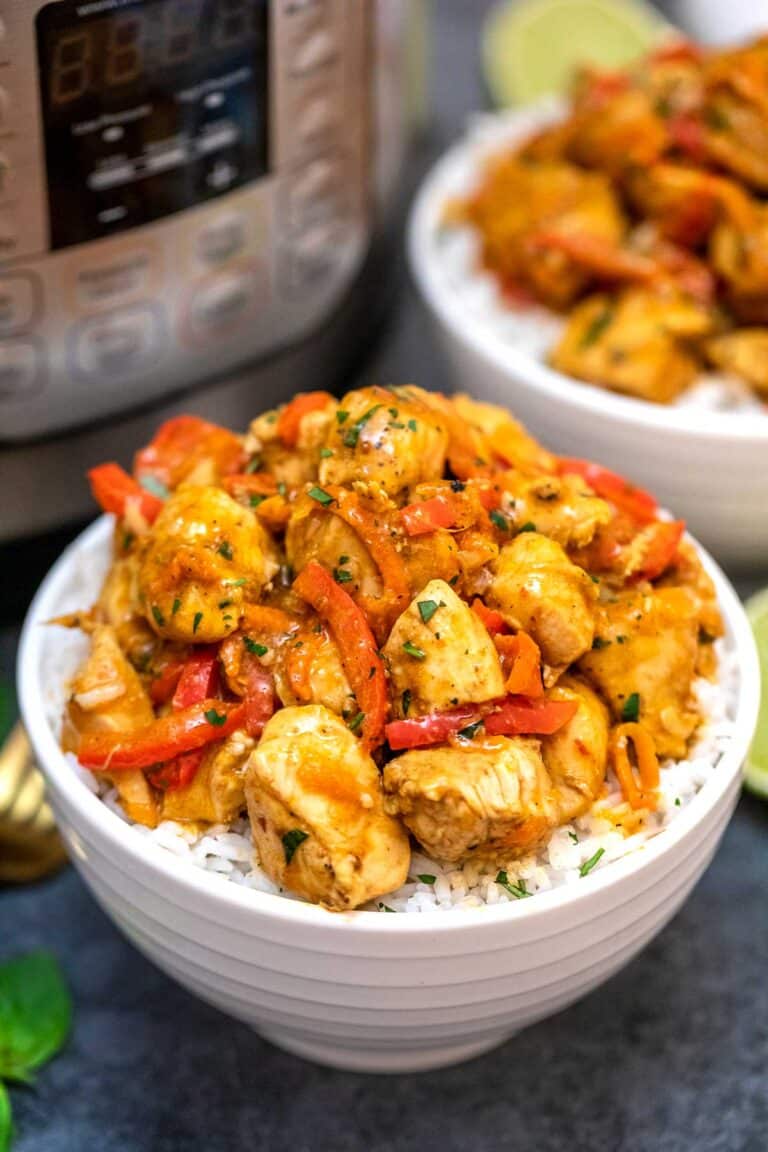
{"x":177,"y":773}
{"x":163,"y":739}
{"x":259,"y":699}
{"x":163,"y":686}
{"x":636,"y":502}
{"x":428,"y":516}
{"x":113,"y":489}
{"x":180,"y":443}
{"x":523,"y":661}
{"x":422,"y":731}
{"x":663,"y":543}
{"x":521,"y":716}
{"x":686,"y":132}
{"x":289,"y":420}
{"x":198,"y":680}
{"x":356,"y":643}
{"x":493,"y":620}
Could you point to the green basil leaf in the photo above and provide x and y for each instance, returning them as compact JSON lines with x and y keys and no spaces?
{"x":35,"y":1014}
{"x":6,"y":1121}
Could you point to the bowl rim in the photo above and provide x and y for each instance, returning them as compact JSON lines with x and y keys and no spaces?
{"x":516,"y":364}
{"x":166,"y":866}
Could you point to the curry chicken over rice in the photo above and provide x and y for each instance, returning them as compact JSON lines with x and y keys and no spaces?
{"x":388,"y":618}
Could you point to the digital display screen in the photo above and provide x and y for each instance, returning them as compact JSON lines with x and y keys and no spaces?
{"x":149,"y":108}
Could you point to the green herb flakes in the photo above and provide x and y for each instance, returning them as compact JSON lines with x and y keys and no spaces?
{"x":151,"y":484}
{"x":352,"y":435}
{"x":342,"y":575}
{"x":630,"y":710}
{"x":412,"y":650}
{"x":255,"y":499}
{"x":599,"y":643}
{"x":385,"y":908}
{"x":225,"y":549}
{"x":356,"y":722}
{"x":291,"y":841}
{"x":597,"y":326}
{"x":341,"y":416}
{"x":499,"y":519}
{"x":470,"y":731}
{"x":573,"y":837}
{"x":159,"y":618}
{"x":254,"y":647}
{"x":518,"y":890}
{"x":175,"y":607}
{"x":412,"y":425}
{"x":197,"y":621}
{"x":217,"y":719}
{"x":588,"y":865}
{"x":529,"y":526}
{"x":426,"y":878}
{"x":405,"y":701}
{"x":326,"y":453}
{"x":427,"y":609}
{"x":320,"y":495}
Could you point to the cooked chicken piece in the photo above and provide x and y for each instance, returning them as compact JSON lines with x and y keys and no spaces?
{"x":107,"y":696}
{"x":539,"y":591}
{"x":216,"y":794}
{"x":738,"y":251}
{"x":119,"y":605}
{"x":315,"y":533}
{"x":439,"y":654}
{"x":688,"y":573}
{"x":395,"y":438}
{"x":507,"y":437}
{"x":745,"y":353}
{"x":434,"y":556}
{"x":645,"y":658}
{"x":684,"y":202}
{"x":564,"y":508}
{"x":205,"y":557}
{"x":317,"y":812}
{"x":634,"y":343}
{"x":492,"y":799}
{"x":618,"y":132}
{"x":291,"y":466}
{"x":516,"y":201}
{"x":735,"y":115}
{"x":309,"y":670}
{"x":576,"y":755}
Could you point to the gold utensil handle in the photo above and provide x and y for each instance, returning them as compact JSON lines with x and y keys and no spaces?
{"x":30,"y":845}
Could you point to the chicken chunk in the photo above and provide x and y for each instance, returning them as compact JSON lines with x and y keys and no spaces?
{"x":576,"y":755}
{"x":744,"y":353}
{"x":206,"y":556}
{"x":216,"y":794}
{"x":317,"y":812}
{"x":119,"y":605}
{"x":645,"y":660}
{"x":538,"y":590}
{"x":439,"y":654}
{"x":394,"y":438}
{"x":634,"y":343}
{"x":315,"y":534}
{"x":310,"y":671}
{"x":507,"y":436}
{"x":491,"y":800}
{"x":296,"y":465}
{"x":107,"y":696}
{"x":738,"y":251}
{"x":563,"y":508}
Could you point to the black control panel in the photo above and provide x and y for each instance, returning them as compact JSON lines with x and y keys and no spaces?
{"x":149,"y":107}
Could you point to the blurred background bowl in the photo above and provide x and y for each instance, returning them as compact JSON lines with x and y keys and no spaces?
{"x":710,"y":467}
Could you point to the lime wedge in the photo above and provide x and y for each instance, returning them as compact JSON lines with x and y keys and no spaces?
{"x":532,"y":48}
{"x":756,"y":768}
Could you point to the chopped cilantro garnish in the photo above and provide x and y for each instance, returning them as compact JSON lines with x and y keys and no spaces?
{"x":393,"y":413}
{"x":282,"y":489}
{"x":253,"y":465}
{"x":574,"y":837}
{"x":341,"y":416}
{"x":599,"y":643}
{"x":457,"y":485}
{"x":291,"y":841}
{"x":326,"y":453}
{"x":215,"y":718}
{"x":320,"y":495}
{"x":225,"y":604}
{"x":128,"y":539}
{"x":151,"y":484}
{"x":412,"y":650}
{"x":412,"y":425}
{"x":631,"y":708}
{"x":588,"y":865}
{"x":343,"y":560}
{"x":517,"y":890}
{"x":454,"y":580}
{"x":225,"y":549}
{"x":427,"y":609}
{"x":342,"y":575}
{"x":426,"y":878}
{"x":386,"y":908}
{"x":352,"y":435}
{"x":196,"y":621}
{"x":471,"y":730}
{"x":677,"y":802}
{"x":716,"y":119}
{"x":176,"y":606}
{"x":254,"y":647}
{"x":529,"y":526}
{"x":255,"y":499}
{"x":499,"y":520}
{"x":159,"y":618}
{"x":236,"y":583}
{"x":405,"y":701}
{"x":597,"y":326}
{"x":622,"y":639}
{"x":356,"y":721}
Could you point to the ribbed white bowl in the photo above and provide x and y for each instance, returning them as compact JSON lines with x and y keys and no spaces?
{"x":710,"y":467}
{"x":365,"y":990}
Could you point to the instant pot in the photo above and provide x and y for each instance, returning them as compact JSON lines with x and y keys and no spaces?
{"x":189,"y":195}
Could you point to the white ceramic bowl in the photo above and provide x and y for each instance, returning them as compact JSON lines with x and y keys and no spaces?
{"x":711,"y":467}
{"x":366,"y":990}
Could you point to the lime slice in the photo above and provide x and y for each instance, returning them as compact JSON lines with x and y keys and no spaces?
{"x":532,"y":48}
{"x":756,"y":769}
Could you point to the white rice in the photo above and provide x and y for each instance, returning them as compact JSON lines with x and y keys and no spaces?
{"x":228,"y":850}
{"x":533,"y":329}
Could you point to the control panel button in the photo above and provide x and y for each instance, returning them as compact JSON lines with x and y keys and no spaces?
{"x":8,"y":232}
{"x":7,"y":177}
{"x":119,"y":344}
{"x":314,"y":193}
{"x":222,"y":302}
{"x":5,"y":111}
{"x":317,"y":117}
{"x":5,"y":47}
{"x":124,"y":276}
{"x":222,"y":239}
{"x":317,"y":50}
{"x":309,"y":256}
{"x":21,"y":367}
{"x":19,"y":303}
